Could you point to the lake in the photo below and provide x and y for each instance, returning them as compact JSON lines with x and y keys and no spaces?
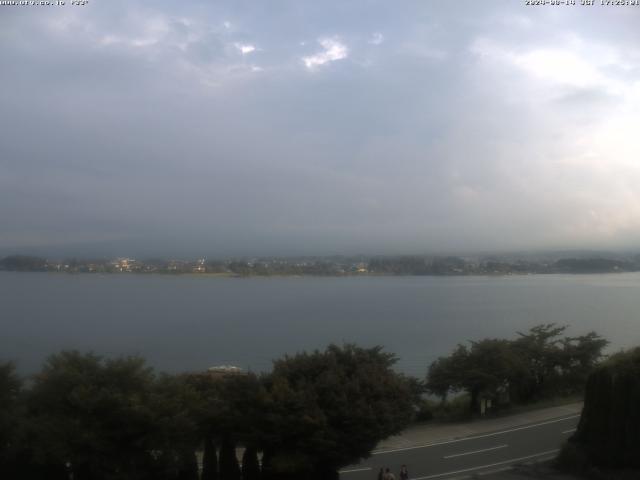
{"x":192,"y":322}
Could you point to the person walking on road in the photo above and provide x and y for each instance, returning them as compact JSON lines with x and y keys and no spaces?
{"x":381,"y":474}
{"x":388,"y":475}
{"x":404,"y":473}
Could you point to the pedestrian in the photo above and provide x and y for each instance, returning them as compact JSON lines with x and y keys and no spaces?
{"x":388,"y":475}
{"x":404,"y":473}
{"x":381,"y":474}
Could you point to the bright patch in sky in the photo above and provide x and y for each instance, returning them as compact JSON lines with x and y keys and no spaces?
{"x":559,"y":66}
{"x":245,"y":48}
{"x":333,"y":50}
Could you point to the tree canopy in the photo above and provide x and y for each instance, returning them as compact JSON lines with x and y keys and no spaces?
{"x":334,"y":406}
{"x":609,"y":428}
{"x":104,"y":419}
{"x":537,"y":364}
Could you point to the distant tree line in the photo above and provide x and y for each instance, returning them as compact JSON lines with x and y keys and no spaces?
{"x":417,"y":265}
{"x":23,"y":263}
{"x":89,"y":418}
{"x":326,"y":266}
{"x":538,"y":364}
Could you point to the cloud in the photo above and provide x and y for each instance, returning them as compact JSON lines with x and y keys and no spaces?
{"x":578,"y":185}
{"x":460,"y":134}
{"x":333,"y":50}
{"x":376,"y":39}
{"x":141,"y":32}
{"x":245,"y":48}
{"x":559,"y":66}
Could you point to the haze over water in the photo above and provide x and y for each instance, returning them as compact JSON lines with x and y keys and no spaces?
{"x":190,"y":323}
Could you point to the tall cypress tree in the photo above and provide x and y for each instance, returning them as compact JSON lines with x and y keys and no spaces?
{"x":250,"y":464}
{"x":267,"y":466}
{"x":229,"y":468}
{"x":209,"y":460}
{"x":188,"y":466}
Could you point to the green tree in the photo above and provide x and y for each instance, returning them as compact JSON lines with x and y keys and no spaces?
{"x":229,"y":467}
{"x":176,"y":433}
{"x":94,"y":415}
{"x":11,"y":419}
{"x":445,"y":374}
{"x":329,"y":409}
{"x":250,"y":464}
{"x":209,"y":459}
{"x":187,"y":465}
{"x":541,"y":349}
{"x":486,"y":369}
{"x":609,"y":429}
{"x":492,"y":367}
{"x":580,"y":356}
{"x":539,"y":363}
{"x":230,"y":412}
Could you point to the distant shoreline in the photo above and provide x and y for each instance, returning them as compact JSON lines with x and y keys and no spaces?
{"x":297,"y":275}
{"x":330,"y":266}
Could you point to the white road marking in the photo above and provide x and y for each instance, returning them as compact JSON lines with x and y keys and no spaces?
{"x":475,"y":437}
{"x":481,"y":467}
{"x":355,"y":470}
{"x":569,"y":431}
{"x":476,"y":451}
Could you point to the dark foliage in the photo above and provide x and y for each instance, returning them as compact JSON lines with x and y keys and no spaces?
{"x":331,"y":408}
{"x":23,"y":263}
{"x":538,"y":364}
{"x":609,"y":428}
{"x":250,"y":464}
{"x":209,"y":460}
{"x":229,"y":467}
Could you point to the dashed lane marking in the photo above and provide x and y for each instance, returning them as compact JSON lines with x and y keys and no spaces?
{"x":475,"y":451}
{"x":355,"y":470}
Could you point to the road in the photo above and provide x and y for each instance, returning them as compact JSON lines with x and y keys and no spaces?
{"x":466,"y":456}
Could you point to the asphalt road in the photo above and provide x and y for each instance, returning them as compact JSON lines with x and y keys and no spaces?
{"x":466,"y":456}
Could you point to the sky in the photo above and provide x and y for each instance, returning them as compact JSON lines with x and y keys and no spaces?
{"x":217,"y":128}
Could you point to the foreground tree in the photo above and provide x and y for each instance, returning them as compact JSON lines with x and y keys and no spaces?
{"x":540,"y":350}
{"x":229,"y":414}
{"x":329,"y":409}
{"x":580,"y":356}
{"x":10,"y":419}
{"x":209,"y":459}
{"x":485,"y":370}
{"x":491,"y":369}
{"x":250,"y":464}
{"x":175,"y":435}
{"x":106,"y":419}
{"x":93,"y":415}
{"x":540,"y":363}
{"x":608,"y":434}
{"x":229,"y":466}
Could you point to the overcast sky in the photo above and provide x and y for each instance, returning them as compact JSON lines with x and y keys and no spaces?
{"x":318,"y":127}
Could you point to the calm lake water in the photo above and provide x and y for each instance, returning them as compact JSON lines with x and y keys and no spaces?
{"x":190,"y":323}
